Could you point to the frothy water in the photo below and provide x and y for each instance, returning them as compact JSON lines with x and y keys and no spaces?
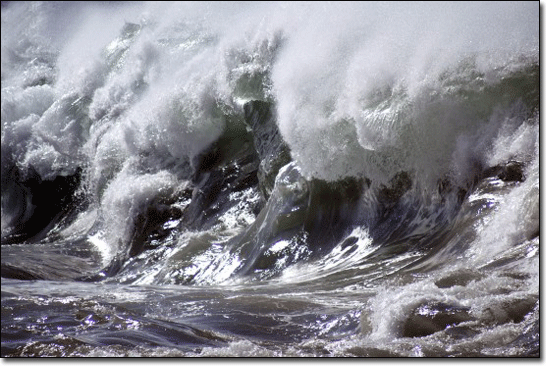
{"x":270,"y":179}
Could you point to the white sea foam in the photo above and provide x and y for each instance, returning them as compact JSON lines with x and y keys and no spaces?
{"x":127,"y":196}
{"x":335,"y":69}
{"x":134,"y":92}
{"x":349,"y":79}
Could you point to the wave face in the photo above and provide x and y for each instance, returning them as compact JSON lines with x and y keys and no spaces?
{"x":270,"y":179}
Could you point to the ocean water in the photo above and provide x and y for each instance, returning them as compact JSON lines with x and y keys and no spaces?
{"x":270,"y":179}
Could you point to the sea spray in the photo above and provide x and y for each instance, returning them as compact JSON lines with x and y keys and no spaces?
{"x":280,"y":179}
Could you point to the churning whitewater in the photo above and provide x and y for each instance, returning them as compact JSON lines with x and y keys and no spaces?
{"x":270,"y":179}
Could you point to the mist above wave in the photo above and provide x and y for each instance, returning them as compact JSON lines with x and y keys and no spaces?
{"x":353,"y":76}
{"x":372,"y":90}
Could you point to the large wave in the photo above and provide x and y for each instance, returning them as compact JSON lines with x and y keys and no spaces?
{"x":310,"y":145}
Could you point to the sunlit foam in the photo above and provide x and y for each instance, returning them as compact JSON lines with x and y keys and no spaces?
{"x":103,"y":247}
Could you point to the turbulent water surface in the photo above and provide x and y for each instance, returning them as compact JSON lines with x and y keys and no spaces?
{"x":270,"y":179}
